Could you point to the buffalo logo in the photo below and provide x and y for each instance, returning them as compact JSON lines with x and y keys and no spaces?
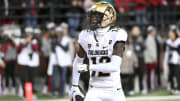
{"x":89,"y":46}
{"x":97,"y":44}
{"x":110,"y":41}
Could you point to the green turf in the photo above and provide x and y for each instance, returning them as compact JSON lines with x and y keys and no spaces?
{"x":41,"y":97}
{"x":11,"y":98}
{"x":162,"y":92}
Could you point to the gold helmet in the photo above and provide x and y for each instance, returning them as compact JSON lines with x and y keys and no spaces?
{"x":101,"y":15}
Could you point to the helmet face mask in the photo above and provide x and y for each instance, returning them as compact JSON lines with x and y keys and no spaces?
{"x":101,"y":15}
{"x":94,"y":20}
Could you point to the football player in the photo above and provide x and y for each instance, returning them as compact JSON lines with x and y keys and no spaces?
{"x":103,"y":45}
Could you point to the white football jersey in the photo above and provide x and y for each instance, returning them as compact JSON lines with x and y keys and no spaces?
{"x":172,"y":56}
{"x":101,"y":52}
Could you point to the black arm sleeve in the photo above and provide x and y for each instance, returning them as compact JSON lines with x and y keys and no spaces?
{"x":178,"y":49}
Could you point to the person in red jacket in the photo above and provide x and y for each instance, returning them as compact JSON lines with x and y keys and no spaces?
{"x":123,"y":6}
{"x":9,"y":51}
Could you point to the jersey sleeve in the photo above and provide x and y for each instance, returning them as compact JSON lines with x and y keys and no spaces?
{"x":121,"y":35}
{"x":81,"y":39}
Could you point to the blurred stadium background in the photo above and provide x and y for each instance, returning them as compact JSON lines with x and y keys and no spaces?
{"x":43,"y":18}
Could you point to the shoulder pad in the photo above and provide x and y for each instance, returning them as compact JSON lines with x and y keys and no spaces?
{"x":120,"y":34}
{"x":82,"y":36}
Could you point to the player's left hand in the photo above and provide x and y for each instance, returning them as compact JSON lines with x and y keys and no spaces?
{"x":83,"y":68}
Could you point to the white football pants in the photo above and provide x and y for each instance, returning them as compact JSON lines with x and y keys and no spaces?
{"x":103,"y":94}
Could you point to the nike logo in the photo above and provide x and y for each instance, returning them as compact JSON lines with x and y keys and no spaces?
{"x":105,"y":47}
{"x":118,"y":88}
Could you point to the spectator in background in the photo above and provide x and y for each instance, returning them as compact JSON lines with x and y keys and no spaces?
{"x":150,"y":55}
{"x":70,"y":55}
{"x":46,"y":49}
{"x":46,"y":45}
{"x":32,"y":11}
{"x":53,"y":42}
{"x":28,"y":57}
{"x":88,"y":3}
{"x":62,"y":50}
{"x":34,"y":61}
{"x":129,"y":62}
{"x":52,"y":56}
{"x":123,"y":7}
{"x":9,"y":51}
{"x":138,"y":47}
{"x":155,"y":9}
{"x":57,"y":68}
{"x":171,"y":57}
{"x":74,"y":15}
{"x":23,"y":57}
{"x":140,"y":10}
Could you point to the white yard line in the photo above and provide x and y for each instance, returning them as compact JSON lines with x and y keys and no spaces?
{"x":142,"y":98}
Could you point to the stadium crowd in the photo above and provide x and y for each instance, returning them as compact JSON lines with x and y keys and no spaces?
{"x":34,"y":47}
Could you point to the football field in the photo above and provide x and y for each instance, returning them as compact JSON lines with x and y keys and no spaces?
{"x":145,"y":98}
{"x":137,"y":98}
{"x":160,"y":95}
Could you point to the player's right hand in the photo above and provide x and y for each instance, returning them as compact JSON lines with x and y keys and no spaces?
{"x":2,"y":64}
{"x":76,"y":93}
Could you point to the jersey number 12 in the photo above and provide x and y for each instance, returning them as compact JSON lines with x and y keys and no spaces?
{"x":103,"y":59}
